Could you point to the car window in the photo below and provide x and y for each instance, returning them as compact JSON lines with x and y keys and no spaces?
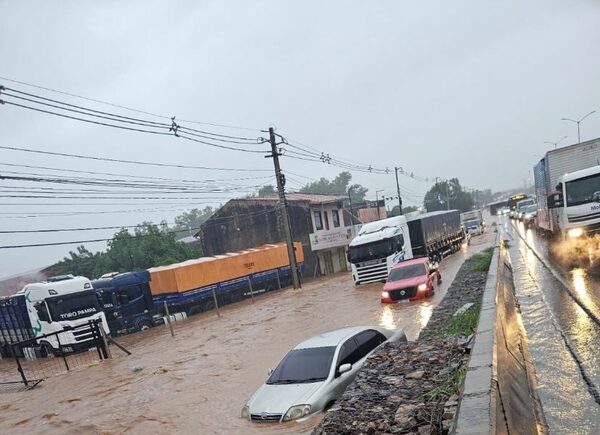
{"x":369,"y":340}
{"x":303,"y":366}
{"x":349,"y":353}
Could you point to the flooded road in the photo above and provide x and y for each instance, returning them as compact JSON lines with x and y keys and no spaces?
{"x":198,"y":381}
{"x":558,"y":314}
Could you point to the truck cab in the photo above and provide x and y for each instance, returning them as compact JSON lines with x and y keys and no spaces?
{"x":62,"y":303}
{"x":579,"y":203}
{"x":127,"y":301}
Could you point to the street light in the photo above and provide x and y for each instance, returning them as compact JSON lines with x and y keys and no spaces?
{"x":561,"y":139}
{"x":578,"y":122}
{"x":377,"y":202}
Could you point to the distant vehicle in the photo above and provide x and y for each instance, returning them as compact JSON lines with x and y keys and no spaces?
{"x":315,"y":373}
{"x":567,"y":186}
{"x":529,"y":215}
{"x":135,"y":301}
{"x":472,"y":221}
{"x":381,"y":244}
{"x":497,"y":207}
{"x":521,"y":206}
{"x":411,"y":280}
{"x":57,"y":304}
{"x":512,"y":204}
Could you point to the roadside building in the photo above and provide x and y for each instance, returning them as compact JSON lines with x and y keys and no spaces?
{"x":322,"y":223}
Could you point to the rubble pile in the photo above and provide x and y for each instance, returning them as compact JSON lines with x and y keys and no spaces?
{"x":410,"y":388}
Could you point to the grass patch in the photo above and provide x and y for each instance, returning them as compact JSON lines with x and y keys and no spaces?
{"x":449,"y":387}
{"x":464,"y":324}
{"x":481,"y":262}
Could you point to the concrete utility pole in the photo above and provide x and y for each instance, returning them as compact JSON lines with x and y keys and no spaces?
{"x":447,"y":195}
{"x":398,"y":188}
{"x":284,"y":210}
{"x":377,"y":203}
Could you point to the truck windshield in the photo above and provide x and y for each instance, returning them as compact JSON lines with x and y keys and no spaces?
{"x":407,"y":272}
{"x":582,"y":191}
{"x":73,"y":306}
{"x":375,"y":250}
{"x":522,"y":205}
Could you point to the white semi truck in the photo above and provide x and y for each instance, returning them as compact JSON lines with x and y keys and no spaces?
{"x":381,"y":244}
{"x":567,"y":189}
{"x":59,"y":304}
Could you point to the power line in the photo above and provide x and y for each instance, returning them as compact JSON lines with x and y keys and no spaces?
{"x":124,"y":107}
{"x":135,"y":162}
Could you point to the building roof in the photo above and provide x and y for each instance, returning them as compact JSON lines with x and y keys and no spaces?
{"x":310,"y":198}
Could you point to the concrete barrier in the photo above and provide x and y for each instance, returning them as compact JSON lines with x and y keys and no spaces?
{"x":499,"y":394}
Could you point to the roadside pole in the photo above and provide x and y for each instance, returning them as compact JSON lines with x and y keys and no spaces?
{"x":284,"y":209}
{"x":398,"y":188}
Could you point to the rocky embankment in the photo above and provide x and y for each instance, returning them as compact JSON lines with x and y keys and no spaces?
{"x":412,"y":388}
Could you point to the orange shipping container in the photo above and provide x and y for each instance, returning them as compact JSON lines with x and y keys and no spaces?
{"x":201,"y":272}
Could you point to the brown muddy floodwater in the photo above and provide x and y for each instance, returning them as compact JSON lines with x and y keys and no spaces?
{"x":198,"y":381}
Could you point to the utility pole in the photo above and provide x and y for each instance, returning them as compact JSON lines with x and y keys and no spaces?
{"x":284,"y":209}
{"x":350,"y":205}
{"x":447,"y":195}
{"x":398,"y":188}
{"x":377,"y":203}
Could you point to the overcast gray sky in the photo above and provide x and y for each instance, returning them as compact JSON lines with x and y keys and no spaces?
{"x":465,"y":89}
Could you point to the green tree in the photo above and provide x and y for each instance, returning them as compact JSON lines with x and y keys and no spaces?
{"x":149,"y":245}
{"x":408,"y":209}
{"x":188,"y":223}
{"x":438,"y":196}
{"x":267,"y":190}
{"x":338,"y":186}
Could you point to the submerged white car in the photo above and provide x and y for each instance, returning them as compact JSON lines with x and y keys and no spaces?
{"x":315,"y":373}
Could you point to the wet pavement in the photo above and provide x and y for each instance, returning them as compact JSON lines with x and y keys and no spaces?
{"x":198,"y":381}
{"x":558,"y":307}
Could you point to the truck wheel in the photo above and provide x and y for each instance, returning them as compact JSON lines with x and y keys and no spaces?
{"x":46,"y":350}
{"x":143,"y":325}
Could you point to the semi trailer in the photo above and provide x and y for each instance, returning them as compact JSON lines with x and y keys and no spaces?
{"x":136,"y":300}
{"x":381,"y":244}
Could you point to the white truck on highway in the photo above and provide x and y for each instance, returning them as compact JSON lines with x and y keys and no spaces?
{"x":567,"y":188}
{"x":381,"y":244}
{"x":472,"y":221}
{"x":61,"y":303}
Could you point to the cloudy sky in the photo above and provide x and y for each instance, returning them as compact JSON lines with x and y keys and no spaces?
{"x":465,"y":89}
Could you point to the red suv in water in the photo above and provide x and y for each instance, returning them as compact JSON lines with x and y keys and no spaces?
{"x":412,"y":280}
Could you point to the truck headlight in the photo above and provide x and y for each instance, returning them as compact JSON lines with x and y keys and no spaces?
{"x":246,"y":411}
{"x":422,"y":287}
{"x":575,"y":232}
{"x":296,"y":412}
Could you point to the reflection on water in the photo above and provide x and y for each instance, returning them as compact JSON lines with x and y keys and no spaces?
{"x":425,"y":312}
{"x":386,"y":320}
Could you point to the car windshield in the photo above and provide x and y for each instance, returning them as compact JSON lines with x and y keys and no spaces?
{"x":583,"y":191}
{"x":73,"y":306}
{"x":406,"y":272}
{"x":531,"y":208}
{"x":524,"y":205}
{"x":303,"y":366}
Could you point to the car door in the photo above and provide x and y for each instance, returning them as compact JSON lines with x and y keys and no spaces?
{"x":348,"y":353}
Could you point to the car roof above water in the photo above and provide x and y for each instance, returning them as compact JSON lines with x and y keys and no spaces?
{"x":419,"y":260}
{"x":331,"y":338}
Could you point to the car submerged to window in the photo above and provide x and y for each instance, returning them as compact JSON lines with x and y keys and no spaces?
{"x":411,"y":280}
{"x":315,"y":373}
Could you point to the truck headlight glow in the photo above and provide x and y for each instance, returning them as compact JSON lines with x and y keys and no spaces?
{"x":575,"y":232}
{"x":422,"y":287}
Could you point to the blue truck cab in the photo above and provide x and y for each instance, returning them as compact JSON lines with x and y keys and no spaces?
{"x":127,"y":302}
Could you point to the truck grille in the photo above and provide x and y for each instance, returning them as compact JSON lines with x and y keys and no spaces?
{"x":83,"y":334}
{"x":372,"y":272}
{"x":397,"y":295}
{"x":266,"y":417}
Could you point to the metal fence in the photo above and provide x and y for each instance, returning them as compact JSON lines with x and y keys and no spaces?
{"x":29,"y":364}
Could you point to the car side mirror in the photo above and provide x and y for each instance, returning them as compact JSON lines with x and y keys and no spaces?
{"x":270,"y":372}
{"x":345,"y":368}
